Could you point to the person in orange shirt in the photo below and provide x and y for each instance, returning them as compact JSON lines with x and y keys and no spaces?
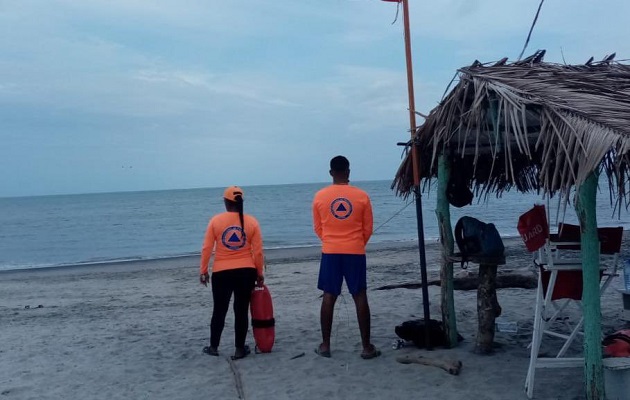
{"x":238,"y":265}
{"x":342,"y":219}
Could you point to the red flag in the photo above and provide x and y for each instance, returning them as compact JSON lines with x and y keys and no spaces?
{"x":533,"y":227}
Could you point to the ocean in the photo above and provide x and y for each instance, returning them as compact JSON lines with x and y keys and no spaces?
{"x":49,"y":231}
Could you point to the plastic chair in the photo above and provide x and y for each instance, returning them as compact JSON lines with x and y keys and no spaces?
{"x":560,"y":286}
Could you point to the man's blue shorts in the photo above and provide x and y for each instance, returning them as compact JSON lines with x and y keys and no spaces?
{"x":333,"y":268}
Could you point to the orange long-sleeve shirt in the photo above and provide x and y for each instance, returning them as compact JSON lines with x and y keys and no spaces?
{"x":232,"y":248}
{"x":342,"y":218}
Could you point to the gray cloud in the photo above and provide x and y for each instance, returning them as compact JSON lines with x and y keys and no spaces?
{"x":123,"y":95}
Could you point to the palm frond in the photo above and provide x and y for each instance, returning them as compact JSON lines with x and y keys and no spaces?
{"x":532,"y":126}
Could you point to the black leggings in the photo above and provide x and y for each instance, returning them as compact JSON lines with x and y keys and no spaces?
{"x":241,"y":282}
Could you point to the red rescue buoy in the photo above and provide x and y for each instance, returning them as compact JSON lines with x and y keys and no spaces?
{"x":263,"y":323}
{"x":617,"y":344}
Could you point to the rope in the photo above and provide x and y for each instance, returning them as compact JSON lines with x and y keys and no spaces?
{"x":393,"y":216}
{"x":397,"y":11}
{"x":339,"y":319}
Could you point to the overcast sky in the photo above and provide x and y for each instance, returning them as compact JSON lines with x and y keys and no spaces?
{"x":112,"y":95}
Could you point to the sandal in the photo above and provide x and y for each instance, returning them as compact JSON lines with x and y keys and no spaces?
{"x":372,"y":353}
{"x":323,"y":353}
{"x":241,"y":353}
{"x":211,"y":351}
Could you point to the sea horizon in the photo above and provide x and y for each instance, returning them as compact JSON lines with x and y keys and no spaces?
{"x":97,"y":228}
{"x":171,"y":189}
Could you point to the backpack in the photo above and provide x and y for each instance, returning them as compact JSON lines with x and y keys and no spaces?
{"x":458,"y":192}
{"x":413,"y":331}
{"x":476,"y":238}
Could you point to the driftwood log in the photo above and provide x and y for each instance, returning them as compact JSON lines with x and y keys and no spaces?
{"x":486,"y":282}
{"x":488,"y":308}
{"x":451,"y":366}
{"x":471,"y":282}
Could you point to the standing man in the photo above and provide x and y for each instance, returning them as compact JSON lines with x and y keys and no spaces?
{"x":342,"y":219}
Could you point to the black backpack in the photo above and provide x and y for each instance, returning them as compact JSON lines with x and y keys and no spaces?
{"x":414,"y":331}
{"x":458,"y":192}
{"x":476,"y":238}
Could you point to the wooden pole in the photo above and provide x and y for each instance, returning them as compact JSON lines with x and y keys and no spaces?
{"x":593,"y":369}
{"x":416,"y":174}
{"x":488,"y":308}
{"x":443,"y":213}
{"x":412,"y":101}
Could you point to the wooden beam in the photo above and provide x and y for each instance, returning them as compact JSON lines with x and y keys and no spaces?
{"x":593,"y":369}
{"x":453,"y":367}
{"x":443,"y":214}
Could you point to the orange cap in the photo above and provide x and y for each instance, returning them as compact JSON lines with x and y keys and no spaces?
{"x":231,"y":192}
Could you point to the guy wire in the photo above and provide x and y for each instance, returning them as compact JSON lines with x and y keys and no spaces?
{"x":394,"y":216}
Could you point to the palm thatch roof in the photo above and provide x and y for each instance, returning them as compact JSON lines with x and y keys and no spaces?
{"x":529,"y":125}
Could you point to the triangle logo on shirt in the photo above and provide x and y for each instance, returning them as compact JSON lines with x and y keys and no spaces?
{"x":234,"y":238}
{"x":341,"y":208}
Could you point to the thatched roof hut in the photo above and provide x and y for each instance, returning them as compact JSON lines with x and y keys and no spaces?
{"x":530,"y":125}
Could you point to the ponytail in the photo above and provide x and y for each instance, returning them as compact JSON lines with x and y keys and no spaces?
{"x":239,"y":207}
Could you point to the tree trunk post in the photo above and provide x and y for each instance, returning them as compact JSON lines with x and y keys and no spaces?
{"x":488,"y":308}
{"x":443,"y":214}
{"x":585,"y":208}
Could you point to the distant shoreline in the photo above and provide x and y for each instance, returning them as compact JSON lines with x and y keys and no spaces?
{"x":272,"y":256}
{"x":276,"y":254}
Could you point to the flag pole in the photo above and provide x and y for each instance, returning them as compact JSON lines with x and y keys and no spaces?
{"x":416,"y":175}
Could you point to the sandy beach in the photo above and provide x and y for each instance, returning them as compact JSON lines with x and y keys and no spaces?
{"x":135,"y":331}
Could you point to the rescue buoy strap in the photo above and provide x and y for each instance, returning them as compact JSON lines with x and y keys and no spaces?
{"x":263,"y":323}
